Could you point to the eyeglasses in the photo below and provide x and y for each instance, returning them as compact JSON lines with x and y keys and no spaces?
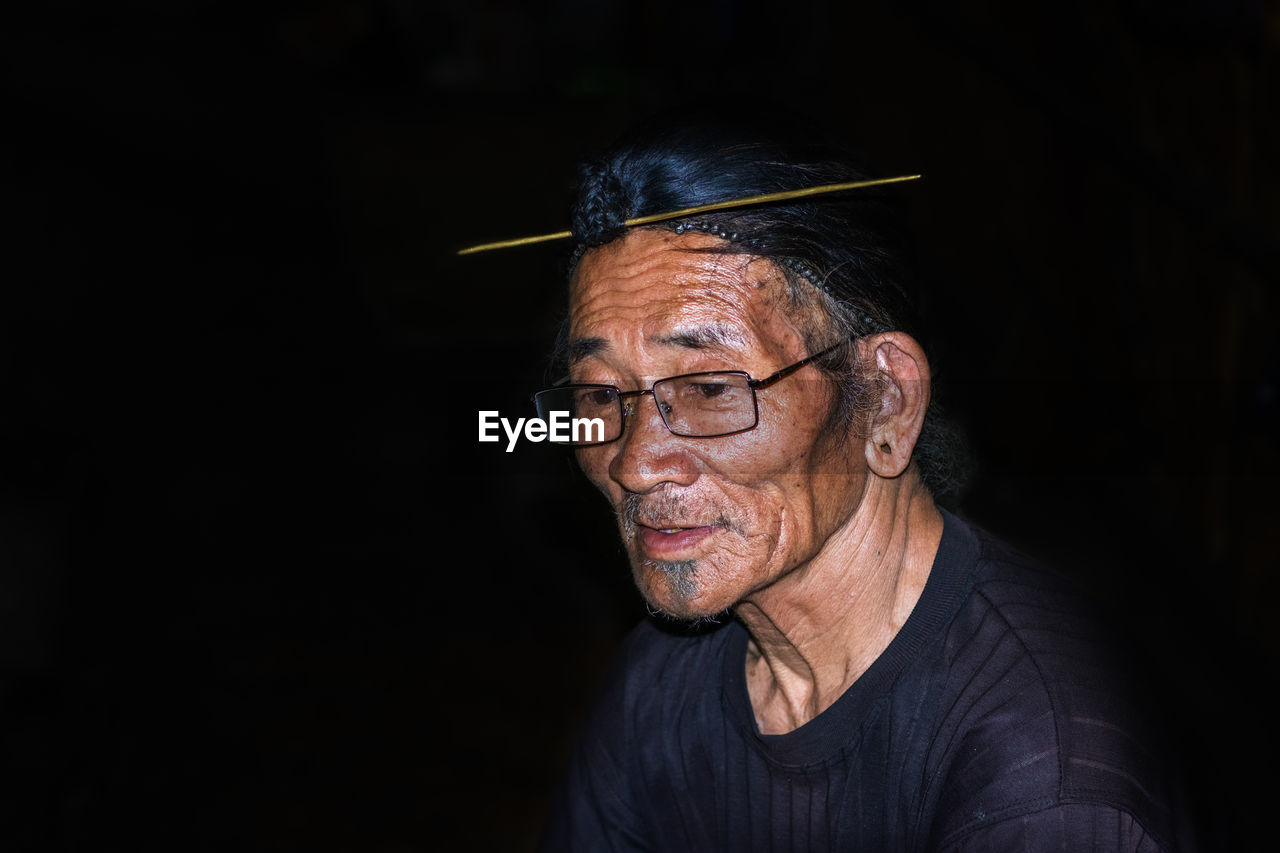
{"x":693,"y":405}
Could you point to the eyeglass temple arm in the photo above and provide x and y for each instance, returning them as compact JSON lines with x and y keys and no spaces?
{"x":754,"y":383}
{"x":787,"y":371}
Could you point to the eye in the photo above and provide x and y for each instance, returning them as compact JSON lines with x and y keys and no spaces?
{"x":708,"y":390}
{"x":597,"y":396}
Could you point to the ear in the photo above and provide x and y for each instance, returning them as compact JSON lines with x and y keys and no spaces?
{"x":897,"y":362}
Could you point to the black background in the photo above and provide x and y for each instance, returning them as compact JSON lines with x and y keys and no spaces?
{"x":260,"y":587}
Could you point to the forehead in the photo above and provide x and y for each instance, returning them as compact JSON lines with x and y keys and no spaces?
{"x":652,"y":284}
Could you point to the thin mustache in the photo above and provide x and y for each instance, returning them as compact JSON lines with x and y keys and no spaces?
{"x":664,"y":509}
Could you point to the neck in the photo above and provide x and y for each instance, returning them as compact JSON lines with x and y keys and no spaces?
{"x":818,"y":628}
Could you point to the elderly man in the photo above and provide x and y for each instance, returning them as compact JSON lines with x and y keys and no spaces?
{"x":871,"y":672}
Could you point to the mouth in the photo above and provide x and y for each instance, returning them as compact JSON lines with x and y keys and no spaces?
{"x":669,"y":543}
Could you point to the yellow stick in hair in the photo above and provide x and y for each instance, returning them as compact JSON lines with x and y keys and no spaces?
{"x":702,"y":208}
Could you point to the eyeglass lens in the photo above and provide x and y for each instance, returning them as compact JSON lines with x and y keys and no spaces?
{"x":702,"y":405}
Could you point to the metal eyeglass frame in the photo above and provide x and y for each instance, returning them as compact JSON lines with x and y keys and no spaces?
{"x":753,"y":384}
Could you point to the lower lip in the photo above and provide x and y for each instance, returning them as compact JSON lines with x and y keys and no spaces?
{"x":658,"y":544}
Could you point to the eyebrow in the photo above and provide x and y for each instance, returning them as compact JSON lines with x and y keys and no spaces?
{"x":715,"y":336}
{"x":580,"y":348}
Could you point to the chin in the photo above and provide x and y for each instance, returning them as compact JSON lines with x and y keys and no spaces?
{"x":672,"y":589}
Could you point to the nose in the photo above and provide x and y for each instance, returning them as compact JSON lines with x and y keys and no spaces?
{"x":648,"y":455}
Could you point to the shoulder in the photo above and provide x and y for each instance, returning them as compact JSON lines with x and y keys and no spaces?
{"x":1043,"y":717}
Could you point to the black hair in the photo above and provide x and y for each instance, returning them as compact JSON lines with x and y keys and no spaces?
{"x":845,"y":254}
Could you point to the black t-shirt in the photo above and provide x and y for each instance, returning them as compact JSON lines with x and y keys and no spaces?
{"x":994,"y":720}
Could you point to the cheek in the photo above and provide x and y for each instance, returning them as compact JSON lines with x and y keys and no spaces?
{"x":785,"y":490}
{"x":778,"y":451}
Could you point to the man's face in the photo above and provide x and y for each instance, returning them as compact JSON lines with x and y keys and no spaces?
{"x":707,"y":521}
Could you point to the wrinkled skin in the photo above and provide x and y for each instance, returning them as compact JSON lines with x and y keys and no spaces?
{"x":819,"y":543}
{"x":773,"y":495}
